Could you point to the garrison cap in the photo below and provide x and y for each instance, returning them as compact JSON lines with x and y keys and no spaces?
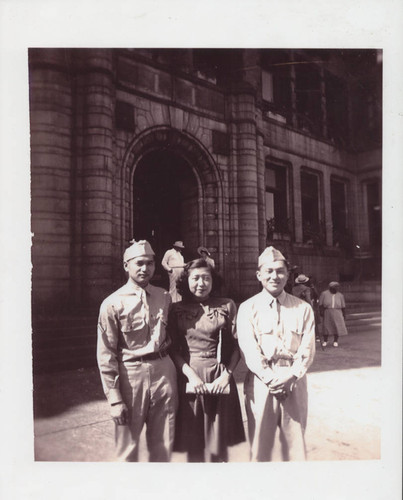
{"x":137,"y":249}
{"x":270,"y":254}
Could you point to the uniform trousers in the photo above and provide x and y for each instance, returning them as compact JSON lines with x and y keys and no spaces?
{"x":266,"y":415}
{"x":149,"y":390}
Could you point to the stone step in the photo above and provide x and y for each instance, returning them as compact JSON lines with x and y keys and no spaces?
{"x":356,"y":307}
{"x":365,"y":286}
{"x":363,"y":316}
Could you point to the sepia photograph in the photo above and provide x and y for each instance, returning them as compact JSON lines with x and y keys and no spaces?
{"x":216,"y":153}
{"x":207,"y":269}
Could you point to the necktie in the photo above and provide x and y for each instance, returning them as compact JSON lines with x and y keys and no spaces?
{"x":279,"y":323}
{"x":144,"y":307}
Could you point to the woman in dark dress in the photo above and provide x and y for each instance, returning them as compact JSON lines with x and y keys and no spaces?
{"x":205,"y":351}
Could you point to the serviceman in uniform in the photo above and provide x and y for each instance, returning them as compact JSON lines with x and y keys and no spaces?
{"x":138,"y":376}
{"x":276,"y":334}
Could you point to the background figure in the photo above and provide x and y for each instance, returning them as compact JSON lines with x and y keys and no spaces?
{"x":173,"y":262}
{"x":292,"y":274}
{"x":206,"y":255}
{"x":301,"y":288}
{"x":332,"y":308}
{"x":277,"y":339}
{"x":205,"y":351}
{"x":315,"y":306}
{"x":138,"y":376}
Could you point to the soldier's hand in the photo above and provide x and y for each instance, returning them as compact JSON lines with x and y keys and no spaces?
{"x":282,"y":384}
{"x":119,"y":413}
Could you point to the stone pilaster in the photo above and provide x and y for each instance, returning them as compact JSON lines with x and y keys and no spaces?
{"x":247,"y":189}
{"x":94,"y":173}
{"x":327,"y":205}
{"x":323,"y":102}
{"x":293,"y":77}
{"x":50,"y":117}
{"x":261,"y":182}
{"x":296,"y":174}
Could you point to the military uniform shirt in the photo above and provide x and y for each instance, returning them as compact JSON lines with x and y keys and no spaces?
{"x":131,"y":324}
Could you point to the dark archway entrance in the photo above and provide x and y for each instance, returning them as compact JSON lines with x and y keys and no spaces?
{"x":165,"y":205}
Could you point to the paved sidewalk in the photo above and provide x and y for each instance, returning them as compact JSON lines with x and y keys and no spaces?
{"x":72,"y":420}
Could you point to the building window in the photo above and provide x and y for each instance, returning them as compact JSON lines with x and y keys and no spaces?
{"x":276,"y":85}
{"x":278,"y":222}
{"x":308,"y":98}
{"x":124,"y":116}
{"x":337,"y":110}
{"x":312,"y":228}
{"x":374,"y":215}
{"x":221,"y":142}
{"x":341,"y":234}
{"x":267,"y":86}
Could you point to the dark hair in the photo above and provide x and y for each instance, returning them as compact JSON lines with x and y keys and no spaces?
{"x":182,"y":284}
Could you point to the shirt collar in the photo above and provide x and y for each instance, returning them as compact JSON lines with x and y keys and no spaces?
{"x":281,"y":298}
{"x":137,"y":289}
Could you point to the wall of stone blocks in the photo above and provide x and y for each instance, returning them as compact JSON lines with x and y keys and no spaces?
{"x":83,"y":160}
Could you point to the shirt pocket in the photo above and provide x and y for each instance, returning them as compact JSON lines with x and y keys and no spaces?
{"x":292,"y":340}
{"x":268,"y":341}
{"x":133,"y":331}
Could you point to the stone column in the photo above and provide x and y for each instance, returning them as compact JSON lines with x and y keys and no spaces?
{"x":244,"y":159}
{"x":327,"y":197}
{"x":50,"y":117}
{"x":323,"y":102}
{"x":247,"y":192}
{"x":296,"y":173}
{"x":261,"y":186}
{"x":293,"y":78}
{"x":94,"y":175}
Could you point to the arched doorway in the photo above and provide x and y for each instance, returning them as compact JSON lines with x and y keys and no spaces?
{"x":165,"y":205}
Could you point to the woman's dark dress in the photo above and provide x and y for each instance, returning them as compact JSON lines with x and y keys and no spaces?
{"x":210,"y":422}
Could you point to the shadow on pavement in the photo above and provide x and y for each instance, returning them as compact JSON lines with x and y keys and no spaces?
{"x":356,"y":350}
{"x":54,"y":393}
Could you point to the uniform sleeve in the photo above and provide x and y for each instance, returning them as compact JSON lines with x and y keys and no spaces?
{"x":108,"y":332}
{"x":232,"y":318}
{"x":172,"y":335}
{"x":305,"y":354}
{"x":175,"y":343}
{"x":249,"y":346}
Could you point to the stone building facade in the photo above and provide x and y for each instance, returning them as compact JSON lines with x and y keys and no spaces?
{"x":230,"y":149}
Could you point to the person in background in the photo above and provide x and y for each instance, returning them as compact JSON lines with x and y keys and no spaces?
{"x":276,"y":333}
{"x":206,"y":255}
{"x":332,"y":308}
{"x":205,"y":351}
{"x":138,"y":376}
{"x":301,"y":288}
{"x":173,"y":262}
{"x":292,"y":274}
{"x":315,"y":306}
